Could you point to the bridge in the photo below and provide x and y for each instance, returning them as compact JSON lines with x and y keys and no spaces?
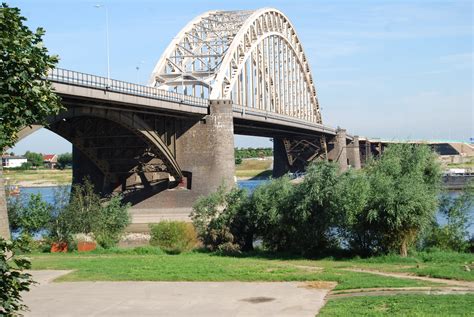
{"x":225,"y":73}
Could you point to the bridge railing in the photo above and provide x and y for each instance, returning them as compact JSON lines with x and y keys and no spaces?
{"x":60,"y":75}
{"x":268,"y":114}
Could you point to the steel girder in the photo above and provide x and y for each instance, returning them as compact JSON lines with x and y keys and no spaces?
{"x":251,"y":57}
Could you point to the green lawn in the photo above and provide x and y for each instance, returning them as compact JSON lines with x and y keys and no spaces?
{"x":147,"y":264}
{"x":450,"y":265}
{"x":401,"y":305}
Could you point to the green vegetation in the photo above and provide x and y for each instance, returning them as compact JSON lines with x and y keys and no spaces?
{"x":87,"y":214}
{"x":28,"y":217}
{"x":13,"y":280}
{"x":35,"y":159}
{"x":431,"y":263}
{"x":25,"y":98}
{"x":64,"y":160}
{"x":401,"y":305}
{"x":173,"y":237}
{"x":82,"y":211}
{"x":454,"y":234}
{"x":384,"y":208}
{"x":148,"y":264}
{"x":252,"y":152}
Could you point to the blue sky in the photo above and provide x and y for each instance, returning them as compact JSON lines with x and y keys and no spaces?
{"x":389,"y":69}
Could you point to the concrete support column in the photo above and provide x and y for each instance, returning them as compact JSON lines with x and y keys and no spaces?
{"x":205,"y":149}
{"x":339,"y":152}
{"x":368,"y":151}
{"x":280,"y":159}
{"x":4,"y":226}
{"x":353,"y":153}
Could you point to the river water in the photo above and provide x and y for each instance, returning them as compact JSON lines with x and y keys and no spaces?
{"x":47,"y":194}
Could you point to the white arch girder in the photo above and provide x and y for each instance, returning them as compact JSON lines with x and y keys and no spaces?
{"x":252,"y":57}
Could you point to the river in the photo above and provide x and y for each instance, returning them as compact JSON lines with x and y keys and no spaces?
{"x":48,"y":195}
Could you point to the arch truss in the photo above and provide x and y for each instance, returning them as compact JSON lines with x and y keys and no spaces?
{"x":253,"y":58}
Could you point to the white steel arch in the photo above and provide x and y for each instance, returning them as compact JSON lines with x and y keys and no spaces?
{"x":252,"y":57}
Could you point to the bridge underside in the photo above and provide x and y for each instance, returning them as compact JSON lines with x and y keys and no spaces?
{"x":162,"y":161}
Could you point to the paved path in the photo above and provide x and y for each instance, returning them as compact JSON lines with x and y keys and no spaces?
{"x":171,"y":298}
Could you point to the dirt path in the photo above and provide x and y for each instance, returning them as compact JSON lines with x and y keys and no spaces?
{"x":465,"y":284}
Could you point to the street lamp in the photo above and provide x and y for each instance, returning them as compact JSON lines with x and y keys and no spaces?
{"x":106,"y":39}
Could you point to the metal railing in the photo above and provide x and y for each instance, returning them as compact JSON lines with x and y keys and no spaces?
{"x":65,"y":76}
{"x":273,"y":115}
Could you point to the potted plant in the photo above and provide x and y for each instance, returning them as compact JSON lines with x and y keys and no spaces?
{"x":85,"y":242}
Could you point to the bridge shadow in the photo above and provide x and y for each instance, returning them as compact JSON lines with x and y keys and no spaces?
{"x":139,"y":195}
{"x":267,"y":174}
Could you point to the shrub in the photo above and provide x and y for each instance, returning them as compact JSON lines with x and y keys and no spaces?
{"x":223,"y":218}
{"x":13,"y":280}
{"x":269,"y":207}
{"x":28,"y":216}
{"x":173,"y":237}
{"x":86,"y":213}
{"x":111,"y":221}
{"x":454,"y":235}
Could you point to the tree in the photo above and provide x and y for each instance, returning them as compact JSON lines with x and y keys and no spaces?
{"x":64,"y":160}
{"x":13,"y":280}
{"x":25,"y":98}
{"x":403,"y":197}
{"x":32,"y":216}
{"x":36,"y":159}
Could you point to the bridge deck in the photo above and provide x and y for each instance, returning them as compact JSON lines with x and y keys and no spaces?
{"x":90,"y":87}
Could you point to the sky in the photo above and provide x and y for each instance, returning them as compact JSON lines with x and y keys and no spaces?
{"x":382,"y":69}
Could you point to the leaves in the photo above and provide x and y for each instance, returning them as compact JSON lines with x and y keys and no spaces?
{"x":24,"y":98}
{"x":13,"y":280}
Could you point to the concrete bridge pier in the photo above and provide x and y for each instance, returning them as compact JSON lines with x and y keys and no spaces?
{"x":338,"y":151}
{"x":281,"y":165}
{"x":205,"y":149}
{"x":353,"y":153}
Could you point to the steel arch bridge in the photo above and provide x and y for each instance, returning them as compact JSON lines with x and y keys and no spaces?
{"x":253,"y":58}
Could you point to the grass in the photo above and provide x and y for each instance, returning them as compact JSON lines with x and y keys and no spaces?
{"x":39,"y":176}
{"x":150,"y":264}
{"x":401,"y":305}
{"x":435,"y":263}
{"x":250,"y":168}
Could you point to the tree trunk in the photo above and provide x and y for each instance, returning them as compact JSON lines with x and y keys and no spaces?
{"x":4,"y":225}
{"x":404,"y":248}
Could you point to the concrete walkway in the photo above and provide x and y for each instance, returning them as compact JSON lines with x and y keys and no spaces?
{"x":171,"y":298}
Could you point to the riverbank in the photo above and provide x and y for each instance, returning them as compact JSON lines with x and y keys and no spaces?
{"x":37,"y":178}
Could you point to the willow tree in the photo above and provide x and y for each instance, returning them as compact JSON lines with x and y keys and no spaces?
{"x":25,"y":98}
{"x":404,"y":189}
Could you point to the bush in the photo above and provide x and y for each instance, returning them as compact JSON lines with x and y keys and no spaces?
{"x":86,"y":213}
{"x":173,"y":237}
{"x":30,"y":216}
{"x":223,"y":218}
{"x":111,"y":221}
{"x":454,"y":235}
{"x":13,"y":280}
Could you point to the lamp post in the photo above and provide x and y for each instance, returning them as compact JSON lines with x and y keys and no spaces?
{"x":106,"y":39}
